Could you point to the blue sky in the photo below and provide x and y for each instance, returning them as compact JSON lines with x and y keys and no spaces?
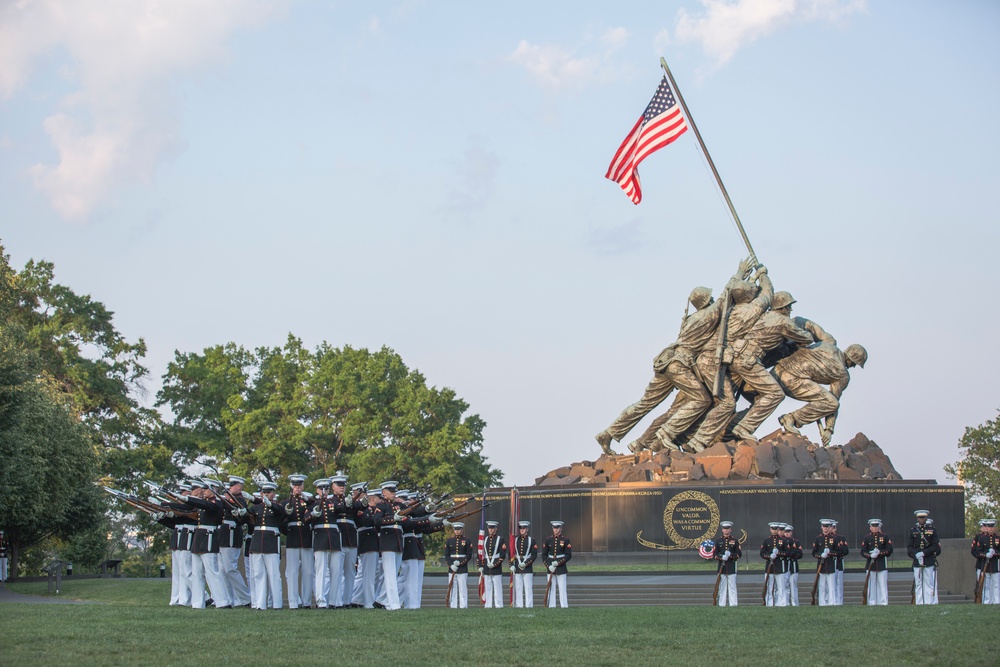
{"x":429,"y":176}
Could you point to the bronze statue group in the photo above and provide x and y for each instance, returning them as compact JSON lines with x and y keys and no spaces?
{"x":782,"y":554}
{"x":745,"y":344}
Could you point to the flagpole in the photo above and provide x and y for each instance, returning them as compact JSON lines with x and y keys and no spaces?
{"x":704,"y":149}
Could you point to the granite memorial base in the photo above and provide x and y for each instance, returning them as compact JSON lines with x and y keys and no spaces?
{"x":648,"y":522}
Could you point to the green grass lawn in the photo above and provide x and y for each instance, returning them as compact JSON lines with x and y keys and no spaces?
{"x":132,"y":625}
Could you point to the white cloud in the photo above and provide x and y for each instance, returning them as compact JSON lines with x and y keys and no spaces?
{"x":727,"y":26}
{"x":615,"y":38}
{"x":119,"y":123}
{"x":555,"y":67}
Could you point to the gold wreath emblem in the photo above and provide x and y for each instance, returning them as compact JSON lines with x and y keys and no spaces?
{"x":679,"y":541}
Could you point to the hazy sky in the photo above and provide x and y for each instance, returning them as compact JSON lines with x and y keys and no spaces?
{"x":430,"y":176}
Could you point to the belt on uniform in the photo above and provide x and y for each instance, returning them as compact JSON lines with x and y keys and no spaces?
{"x":413,"y":535}
{"x":294,"y":523}
{"x":186,"y":526}
{"x":270,"y":529}
{"x":229,"y":523}
{"x":350,"y":521}
{"x":210,"y":529}
{"x":364,"y":528}
{"x":327,"y":525}
{"x":393,"y":526}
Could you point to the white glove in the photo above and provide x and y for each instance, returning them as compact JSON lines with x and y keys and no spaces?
{"x":317,"y":512}
{"x":774,"y":553}
{"x":513,"y":568}
{"x":481,"y":570}
{"x":398,"y":518}
{"x":454,"y":567}
{"x":875,"y":552}
{"x":349,"y":500}
{"x":156,"y":516}
{"x":552,"y":568}
{"x":446,"y":523}
{"x":725,"y":556}
{"x":267,"y":502}
{"x":240,"y":511}
{"x":430,"y":507}
{"x":826,"y":552}
{"x":920,"y":557}
{"x":991,"y":553}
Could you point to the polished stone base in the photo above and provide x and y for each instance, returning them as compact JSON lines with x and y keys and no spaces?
{"x":663,"y":523}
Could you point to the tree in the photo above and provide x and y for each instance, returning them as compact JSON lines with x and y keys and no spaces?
{"x":979,"y":471}
{"x":74,"y":347}
{"x":285,"y":410}
{"x":47,"y":467}
{"x":68,"y":411}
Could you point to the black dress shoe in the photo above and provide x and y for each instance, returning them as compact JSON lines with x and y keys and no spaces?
{"x":228,"y":606}
{"x":379,"y":605}
{"x":209,"y":602}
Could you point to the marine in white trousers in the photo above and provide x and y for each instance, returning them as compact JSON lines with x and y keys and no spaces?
{"x":205,"y":568}
{"x":991,"y":587}
{"x":236,"y":587}
{"x":175,"y":579}
{"x":459,"y":591}
{"x":390,"y":572}
{"x":349,"y":570}
{"x":328,"y":570}
{"x":727,"y":591}
{"x":925,"y":585}
{"x":413,"y":580}
{"x":878,"y":588}
{"x":827,"y":590}
{"x":793,"y":589}
{"x":364,"y":580}
{"x":558,"y":590}
{"x":299,"y":577}
{"x":777,"y":590}
{"x":524,"y":595}
{"x":266,"y":570}
{"x":493,"y":591}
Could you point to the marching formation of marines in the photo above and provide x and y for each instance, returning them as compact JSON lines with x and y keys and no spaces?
{"x":342,"y":548}
{"x":747,"y":345}
{"x":356,"y":548}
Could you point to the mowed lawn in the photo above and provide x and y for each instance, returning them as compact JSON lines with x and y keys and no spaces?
{"x":130,"y":624}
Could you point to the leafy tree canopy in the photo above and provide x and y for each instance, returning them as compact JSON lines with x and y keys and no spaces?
{"x":69,"y":341}
{"x":289,"y":409}
{"x":979,"y":471}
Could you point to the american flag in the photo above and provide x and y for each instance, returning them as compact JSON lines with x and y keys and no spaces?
{"x":660,"y":124}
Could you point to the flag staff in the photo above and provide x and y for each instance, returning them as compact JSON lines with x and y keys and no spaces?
{"x":732,"y":209}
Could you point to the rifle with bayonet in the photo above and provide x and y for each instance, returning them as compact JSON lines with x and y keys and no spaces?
{"x":146,"y":506}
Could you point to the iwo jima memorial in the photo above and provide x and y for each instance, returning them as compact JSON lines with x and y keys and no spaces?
{"x":735,"y":361}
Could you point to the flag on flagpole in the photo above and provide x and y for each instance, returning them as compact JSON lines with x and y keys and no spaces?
{"x":481,"y":549}
{"x":660,"y":124}
{"x":515,"y":518}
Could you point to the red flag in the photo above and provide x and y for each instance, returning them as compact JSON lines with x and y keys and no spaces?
{"x":481,"y":550}
{"x":660,"y":124}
